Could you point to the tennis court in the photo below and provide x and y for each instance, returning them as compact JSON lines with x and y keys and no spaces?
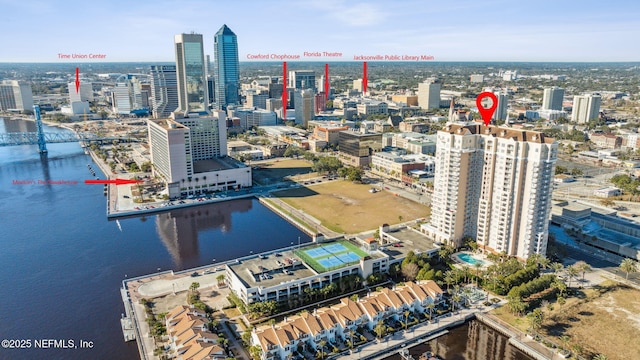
{"x":331,"y":256}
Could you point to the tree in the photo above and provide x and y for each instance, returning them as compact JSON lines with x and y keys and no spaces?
{"x":322,"y":344}
{"x":146,"y":166}
{"x":600,"y":357}
{"x":449,"y":278}
{"x":572,"y":272}
{"x":380,"y":329}
{"x":516,"y":306}
{"x":560,"y":170}
{"x":194,"y":286}
{"x":430,"y":306}
{"x":354,"y":174}
{"x":535,"y":318}
{"x":220,"y":278}
{"x":628,"y":266}
{"x":556,"y":267}
{"x":410,"y":270}
{"x":406,"y":319}
{"x":455,"y":300}
{"x":582,"y":267}
{"x":576,"y":172}
{"x":477,"y":266}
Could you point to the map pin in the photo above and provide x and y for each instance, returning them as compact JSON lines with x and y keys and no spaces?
{"x":487,"y":113}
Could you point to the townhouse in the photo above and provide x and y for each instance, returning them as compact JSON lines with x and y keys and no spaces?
{"x":189,"y":337}
{"x":341,"y":321}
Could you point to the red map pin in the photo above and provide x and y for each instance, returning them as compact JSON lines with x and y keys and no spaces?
{"x":487,"y":113}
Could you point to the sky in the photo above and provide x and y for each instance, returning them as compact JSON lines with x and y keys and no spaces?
{"x":489,"y":30}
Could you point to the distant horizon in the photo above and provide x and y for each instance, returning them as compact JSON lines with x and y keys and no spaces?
{"x":337,"y":61}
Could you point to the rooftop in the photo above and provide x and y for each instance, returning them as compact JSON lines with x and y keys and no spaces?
{"x":496,"y":131}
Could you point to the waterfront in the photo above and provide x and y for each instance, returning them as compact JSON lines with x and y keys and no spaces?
{"x":471,"y":341}
{"x":63,"y":262}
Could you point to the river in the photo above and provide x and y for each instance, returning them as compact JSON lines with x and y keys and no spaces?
{"x":62,"y":262}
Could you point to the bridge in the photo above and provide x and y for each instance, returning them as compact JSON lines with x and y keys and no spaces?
{"x":41,"y":138}
{"x":31,"y":138}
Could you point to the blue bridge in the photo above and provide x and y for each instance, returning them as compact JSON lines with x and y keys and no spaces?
{"x":41,"y":138}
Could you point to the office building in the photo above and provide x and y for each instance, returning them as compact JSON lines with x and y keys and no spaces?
{"x":320,"y":102}
{"x":302,"y":79}
{"x":552,"y":98}
{"x":257,"y":101}
{"x":191,"y":76}
{"x":585,"y":108}
{"x":164,"y":90}
{"x":357,"y":147}
{"x":190,"y":154}
{"x":304,"y":106}
{"x":226,"y":68}
{"x":494,"y":185}
{"x":358,"y":85}
{"x":429,"y":94}
{"x":84,"y":93}
{"x":476,"y":78}
{"x":501,"y":112}
{"x":15,"y":96}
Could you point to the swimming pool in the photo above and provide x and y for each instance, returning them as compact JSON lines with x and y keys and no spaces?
{"x":469,"y":259}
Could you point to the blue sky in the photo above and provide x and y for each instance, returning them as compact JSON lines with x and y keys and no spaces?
{"x":463,"y":30}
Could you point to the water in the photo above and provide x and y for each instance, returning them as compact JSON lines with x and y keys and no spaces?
{"x":62,"y":262}
{"x":471,"y":341}
{"x":469,"y":259}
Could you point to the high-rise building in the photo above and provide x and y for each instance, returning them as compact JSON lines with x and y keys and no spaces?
{"x":189,"y":153}
{"x":494,"y":185}
{"x":358,"y":85}
{"x":552,"y":98}
{"x":429,"y":94}
{"x":585,"y":108}
{"x":164,"y":90}
{"x":227,"y":68}
{"x":304,"y":106}
{"x":302,"y":79}
{"x":16,"y":95}
{"x":501,"y":112}
{"x":85,"y":92}
{"x":191,"y":76}
{"x":320,"y":102}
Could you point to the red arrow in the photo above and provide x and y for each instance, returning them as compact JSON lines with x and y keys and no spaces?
{"x":326,"y":81}
{"x":284,"y":91}
{"x":77,"y":80}
{"x":114,"y":181}
{"x":364,"y":78}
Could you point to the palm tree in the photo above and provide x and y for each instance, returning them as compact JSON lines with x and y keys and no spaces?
{"x":477,"y":266}
{"x":430,"y":306}
{"x":465,"y":272}
{"x":600,"y":357}
{"x":582,"y":267}
{"x":572,"y":272}
{"x":194,"y":287}
{"x":560,"y":285}
{"x":406,"y":319}
{"x":557,"y":267}
{"x":322,"y":344}
{"x":220,"y":279}
{"x":379,"y":329}
{"x":535,"y":320}
{"x":455,"y":299}
{"x":628,"y":266}
{"x":448,"y":278}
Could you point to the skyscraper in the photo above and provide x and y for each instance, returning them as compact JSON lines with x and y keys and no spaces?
{"x":494,"y":185}
{"x":304,"y":106}
{"x":15,"y":95}
{"x":585,"y":108}
{"x":226,"y":68}
{"x":429,"y":94}
{"x":85,"y":92}
{"x":552,"y":98}
{"x":501,"y":110}
{"x":164,"y":90}
{"x":302,"y":79}
{"x":191,"y":74}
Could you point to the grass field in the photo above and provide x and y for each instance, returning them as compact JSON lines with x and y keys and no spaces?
{"x":273,"y":172}
{"x":345,"y":207}
{"x":604,"y":320}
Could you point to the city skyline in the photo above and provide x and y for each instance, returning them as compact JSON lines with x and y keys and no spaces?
{"x":493,"y":31}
